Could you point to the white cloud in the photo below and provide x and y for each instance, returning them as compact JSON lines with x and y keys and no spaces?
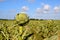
{"x":46,"y":8}
{"x":39,"y":10}
{"x":56,"y":9}
{"x":45,"y":11}
{"x":25,"y":8}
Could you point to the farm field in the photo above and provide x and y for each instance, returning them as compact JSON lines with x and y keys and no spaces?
{"x":32,"y":30}
{"x":29,"y":19}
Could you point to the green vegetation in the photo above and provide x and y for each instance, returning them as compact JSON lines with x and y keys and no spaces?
{"x":23,"y":28}
{"x":22,"y":18}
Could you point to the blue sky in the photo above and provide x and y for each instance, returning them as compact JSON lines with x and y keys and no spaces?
{"x":40,"y":9}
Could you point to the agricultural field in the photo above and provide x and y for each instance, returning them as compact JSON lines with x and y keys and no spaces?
{"x":32,"y":30}
{"x":29,"y":19}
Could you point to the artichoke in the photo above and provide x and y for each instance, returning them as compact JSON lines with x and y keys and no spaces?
{"x":22,"y":18}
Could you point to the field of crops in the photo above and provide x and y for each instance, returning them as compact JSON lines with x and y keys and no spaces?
{"x":23,"y":28}
{"x":32,"y":30}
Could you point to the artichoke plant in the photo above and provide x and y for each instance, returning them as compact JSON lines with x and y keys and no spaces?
{"x":22,"y":18}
